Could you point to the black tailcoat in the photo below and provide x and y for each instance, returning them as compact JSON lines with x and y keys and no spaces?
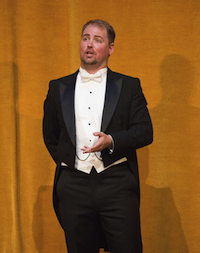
{"x":125,"y":118}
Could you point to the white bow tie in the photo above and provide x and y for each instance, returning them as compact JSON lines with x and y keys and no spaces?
{"x":87,"y":77}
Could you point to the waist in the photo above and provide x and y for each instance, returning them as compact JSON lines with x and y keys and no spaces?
{"x":86,"y":165}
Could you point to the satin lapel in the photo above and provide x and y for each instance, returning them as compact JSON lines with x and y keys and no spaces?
{"x":113,"y":89}
{"x":67,"y":103}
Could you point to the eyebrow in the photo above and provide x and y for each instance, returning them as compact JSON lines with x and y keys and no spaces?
{"x":98,"y":36}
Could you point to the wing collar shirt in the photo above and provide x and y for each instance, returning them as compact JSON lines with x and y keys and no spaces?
{"x":89,"y":103}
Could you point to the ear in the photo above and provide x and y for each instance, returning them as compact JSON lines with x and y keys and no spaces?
{"x":111,"y":48}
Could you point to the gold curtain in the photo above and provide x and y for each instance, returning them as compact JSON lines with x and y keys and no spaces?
{"x":157,"y":41}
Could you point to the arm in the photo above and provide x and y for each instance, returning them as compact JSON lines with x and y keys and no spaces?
{"x":136,"y":130}
{"x":51,"y":130}
{"x":139,"y":131}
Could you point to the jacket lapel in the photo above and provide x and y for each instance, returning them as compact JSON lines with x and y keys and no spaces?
{"x":113,"y":89}
{"x":67,"y":90}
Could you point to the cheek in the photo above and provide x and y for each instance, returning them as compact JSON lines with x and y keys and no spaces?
{"x":81,"y":48}
{"x":101,"y":52}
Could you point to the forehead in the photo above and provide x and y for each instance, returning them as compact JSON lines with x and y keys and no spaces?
{"x":95,"y":31}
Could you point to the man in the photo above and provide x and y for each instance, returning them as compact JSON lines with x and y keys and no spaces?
{"x":94,"y":120}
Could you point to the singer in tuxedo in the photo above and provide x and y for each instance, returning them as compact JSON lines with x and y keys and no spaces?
{"x":94,"y":120}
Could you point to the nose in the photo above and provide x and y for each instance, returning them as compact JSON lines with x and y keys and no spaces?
{"x":90,"y":43}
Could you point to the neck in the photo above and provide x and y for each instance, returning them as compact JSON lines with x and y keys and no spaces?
{"x":91,"y":69}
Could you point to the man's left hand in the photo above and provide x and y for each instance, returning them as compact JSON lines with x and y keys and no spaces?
{"x":104,"y":141}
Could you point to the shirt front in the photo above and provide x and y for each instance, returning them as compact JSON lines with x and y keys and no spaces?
{"x":89,"y":103}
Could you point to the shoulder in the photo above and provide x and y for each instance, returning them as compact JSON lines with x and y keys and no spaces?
{"x":54,"y":85}
{"x":115,"y":76}
{"x":128,"y":82}
{"x":65,"y":79}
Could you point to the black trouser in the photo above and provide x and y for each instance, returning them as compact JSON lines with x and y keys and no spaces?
{"x":109,"y":197}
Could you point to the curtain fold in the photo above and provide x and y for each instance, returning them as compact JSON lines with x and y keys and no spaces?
{"x":157,"y":41}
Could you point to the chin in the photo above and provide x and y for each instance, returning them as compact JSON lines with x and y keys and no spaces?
{"x":88,"y":62}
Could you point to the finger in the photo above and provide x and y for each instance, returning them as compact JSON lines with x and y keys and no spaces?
{"x":97,"y":133}
{"x":86,"y":151}
{"x":85,"y":148}
{"x":95,"y":148}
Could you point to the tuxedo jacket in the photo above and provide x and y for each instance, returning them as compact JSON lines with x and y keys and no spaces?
{"x":125,"y":118}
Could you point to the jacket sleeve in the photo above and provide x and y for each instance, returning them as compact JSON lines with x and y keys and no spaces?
{"x":139,"y":132}
{"x":51,"y":129}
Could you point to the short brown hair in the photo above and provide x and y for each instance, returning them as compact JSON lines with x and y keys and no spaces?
{"x":104,"y":24}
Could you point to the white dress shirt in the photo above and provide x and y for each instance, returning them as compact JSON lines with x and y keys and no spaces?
{"x":89,"y":103}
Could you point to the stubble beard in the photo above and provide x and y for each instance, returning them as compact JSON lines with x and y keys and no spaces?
{"x":88,"y":62}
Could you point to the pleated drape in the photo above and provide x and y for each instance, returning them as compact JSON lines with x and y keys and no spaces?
{"x":157,"y":41}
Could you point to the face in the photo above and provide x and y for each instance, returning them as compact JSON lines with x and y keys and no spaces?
{"x":95,"y":48}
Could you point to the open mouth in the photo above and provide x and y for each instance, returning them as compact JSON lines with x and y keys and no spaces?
{"x":89,"y":53}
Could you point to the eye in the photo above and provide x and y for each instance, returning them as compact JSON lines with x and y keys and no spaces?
{"x":85,"y":39}
{"x":98,"y":40}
